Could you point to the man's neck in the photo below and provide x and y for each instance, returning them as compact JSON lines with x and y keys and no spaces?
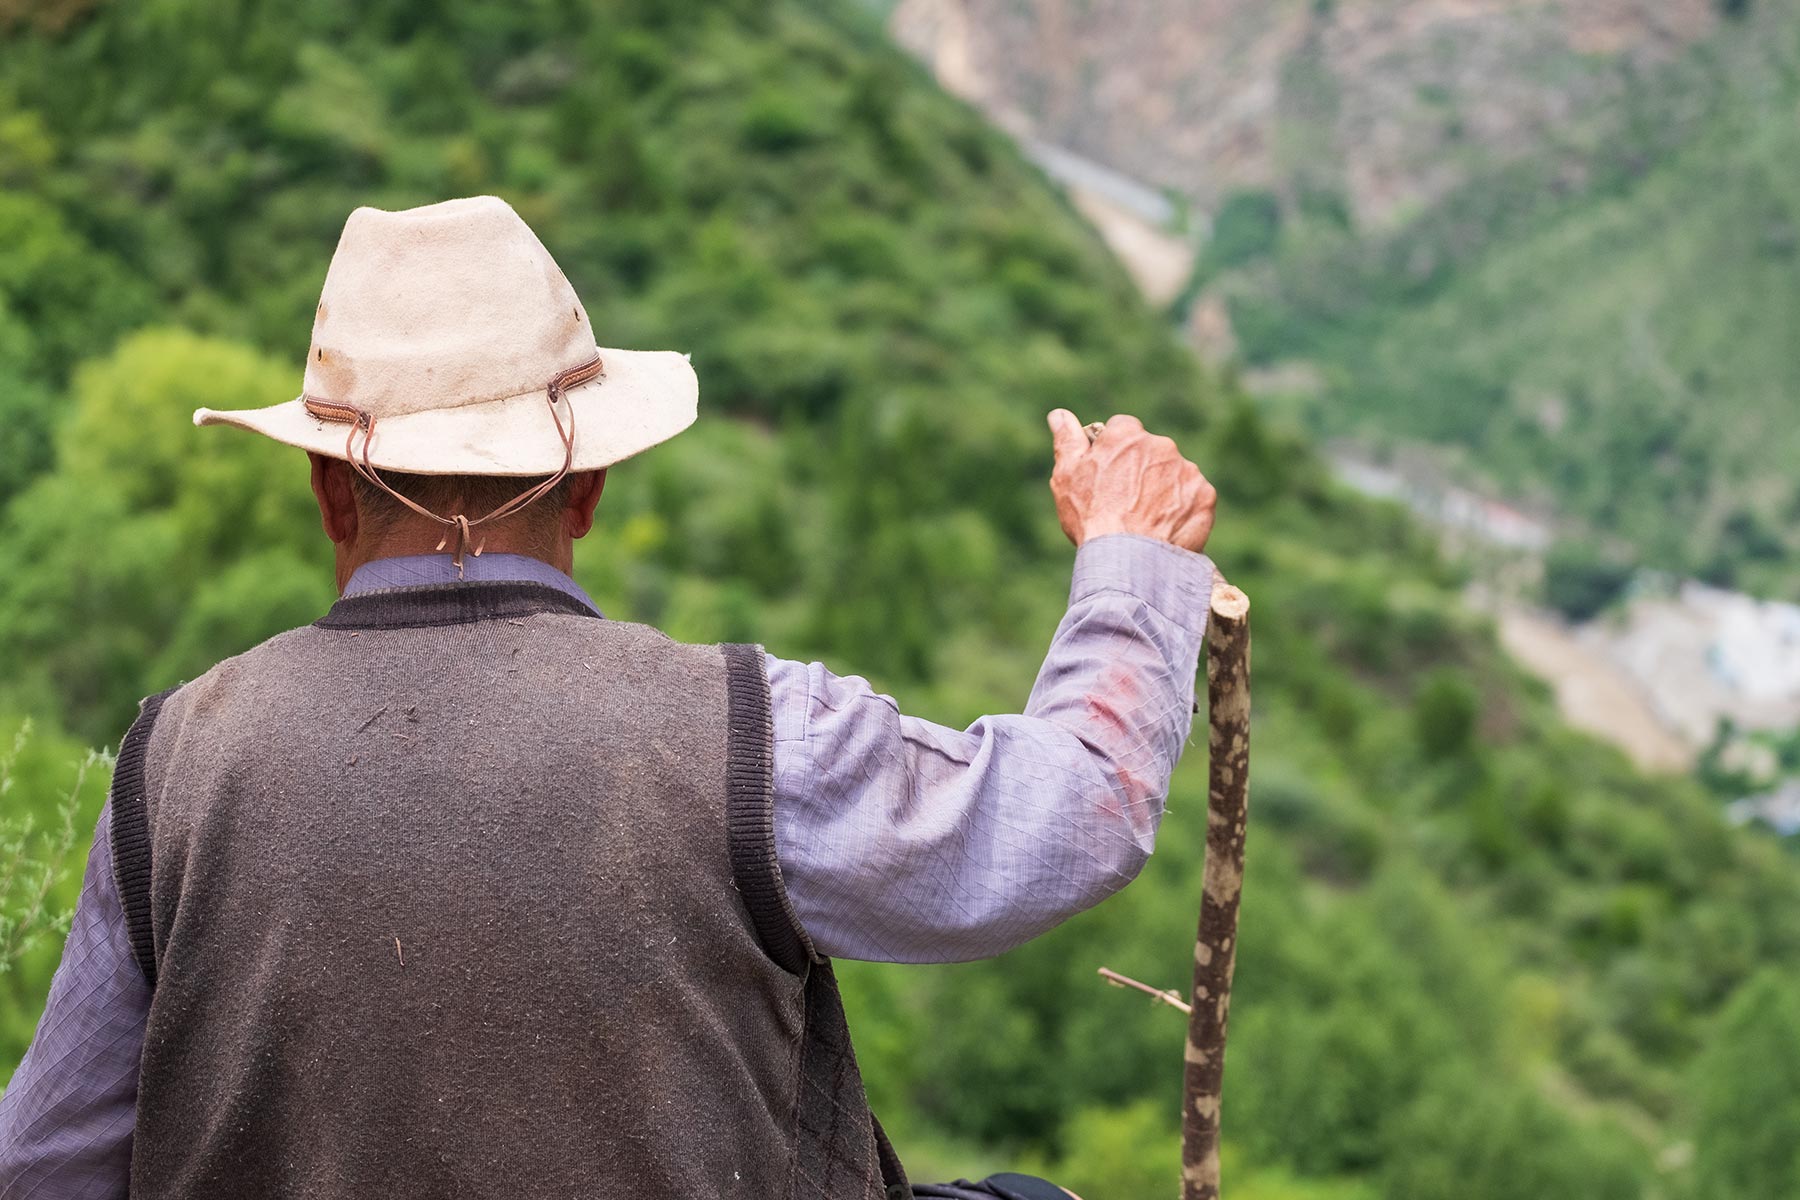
{"x":354,"y":557}
{"x":437,"y":570}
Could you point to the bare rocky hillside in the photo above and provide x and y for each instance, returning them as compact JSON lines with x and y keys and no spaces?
{"x":1382,"y":106}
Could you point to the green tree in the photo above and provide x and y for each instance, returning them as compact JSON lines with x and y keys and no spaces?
{"x":1488,"y":1139}
{"x":1247,"y":227}
{"x":1446,"y":712}
{"x":1132,"y":1151}
{"x":1580,"y":581}
{"x":156,"y":550}
{"x":26,"y":408}
{"x":1746,"y":1092}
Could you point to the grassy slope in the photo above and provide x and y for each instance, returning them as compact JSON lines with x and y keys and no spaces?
{"x":1471,"y":939}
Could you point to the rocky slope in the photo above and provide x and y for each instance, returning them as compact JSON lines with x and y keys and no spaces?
{"x":1382,"y":105}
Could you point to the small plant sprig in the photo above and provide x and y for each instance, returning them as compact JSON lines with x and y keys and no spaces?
{"x":32,"y":860}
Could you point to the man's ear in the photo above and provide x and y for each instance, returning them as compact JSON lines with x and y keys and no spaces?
{"x":337,"y":499}
{"x":584,"y":494}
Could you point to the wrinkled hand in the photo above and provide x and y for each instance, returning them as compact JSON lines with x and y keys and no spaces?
{"x":1127,"y":481}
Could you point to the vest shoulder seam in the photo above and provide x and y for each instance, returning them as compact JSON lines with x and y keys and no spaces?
{"x":750,"y":810}
{"x":130,"y":835}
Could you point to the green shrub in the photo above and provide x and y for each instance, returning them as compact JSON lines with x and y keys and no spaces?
{"x":1580,"y":583}
{"x":1445,"y":714}
{"x":1247,"y":227}
{"x":50,"y":793}
{"x":1746,"y":1089}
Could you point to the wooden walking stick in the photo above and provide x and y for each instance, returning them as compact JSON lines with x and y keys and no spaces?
{"x":1215,"y":948}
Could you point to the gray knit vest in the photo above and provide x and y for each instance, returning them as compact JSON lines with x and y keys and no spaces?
{"x":463,"y":891}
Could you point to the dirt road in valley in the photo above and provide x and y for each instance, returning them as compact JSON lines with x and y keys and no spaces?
{"x":1592,"y":692}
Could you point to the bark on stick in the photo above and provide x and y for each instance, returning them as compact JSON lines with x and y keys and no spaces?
{"x":1215,"y":950}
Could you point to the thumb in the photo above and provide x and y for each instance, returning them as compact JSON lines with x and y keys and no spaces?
{"x":1067,"y":437}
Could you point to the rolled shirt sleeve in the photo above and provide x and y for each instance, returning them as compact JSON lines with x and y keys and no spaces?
{"x":905,"y":841}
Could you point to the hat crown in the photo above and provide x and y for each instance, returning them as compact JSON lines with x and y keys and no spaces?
{"x":442,"y":306}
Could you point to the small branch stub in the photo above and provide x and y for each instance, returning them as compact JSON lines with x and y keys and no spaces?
{"x":1170,"y":997}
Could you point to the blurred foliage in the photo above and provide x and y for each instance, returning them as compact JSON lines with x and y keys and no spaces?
{"x":1607,"y":321}
{"x":1247,"y":228}
{"x":1747,"y":1089}
{"x":1479,"y":955}
{"x":50,"y":796}
{"x":31,"y":861}
{"x":1582,"y":581}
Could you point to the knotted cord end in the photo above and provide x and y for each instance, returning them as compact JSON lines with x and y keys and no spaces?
{"x":463,"y":530}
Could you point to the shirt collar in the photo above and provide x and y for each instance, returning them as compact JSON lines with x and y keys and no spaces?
{"x":428,"y":570}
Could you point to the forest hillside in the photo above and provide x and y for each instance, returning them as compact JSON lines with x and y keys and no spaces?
{"x":1481,"y":957}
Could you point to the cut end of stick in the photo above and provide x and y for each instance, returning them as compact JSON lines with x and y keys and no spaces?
{"x":1228,"y":603}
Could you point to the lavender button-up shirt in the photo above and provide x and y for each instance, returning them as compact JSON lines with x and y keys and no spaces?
{"x":899,"y":840}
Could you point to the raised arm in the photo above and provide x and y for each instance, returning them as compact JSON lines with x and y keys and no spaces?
{"x":901,"y":840}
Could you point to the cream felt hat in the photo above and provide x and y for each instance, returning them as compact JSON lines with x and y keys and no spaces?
{"x":447,"y":342}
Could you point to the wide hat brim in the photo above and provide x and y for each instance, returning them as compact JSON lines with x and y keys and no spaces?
{"x":643,"y":398}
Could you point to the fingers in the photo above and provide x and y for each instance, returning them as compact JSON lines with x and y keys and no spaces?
{"x":1132,"y":481}
{"x":1066,"y":436}
{"x":1199,"y":525}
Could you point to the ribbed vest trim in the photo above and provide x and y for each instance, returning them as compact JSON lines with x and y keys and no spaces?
{"x":750,"y":810}
{"x":449,"y":604}
{"x":131,"y":836}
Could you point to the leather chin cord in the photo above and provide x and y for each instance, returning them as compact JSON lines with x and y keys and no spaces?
{"x":459,"y":526}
